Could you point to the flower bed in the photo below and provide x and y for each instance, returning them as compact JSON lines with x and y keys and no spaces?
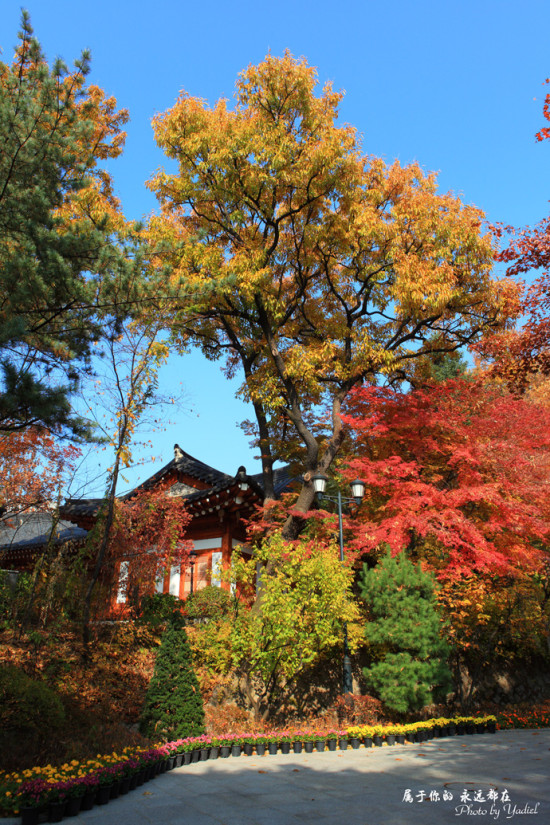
{"x":531,"y":718}
{"x":40,"y":786}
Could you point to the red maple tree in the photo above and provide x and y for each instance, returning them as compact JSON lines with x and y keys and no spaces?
{"x":520,"y":354}
{"x":33,"y":467}
{"x":456,"y":473}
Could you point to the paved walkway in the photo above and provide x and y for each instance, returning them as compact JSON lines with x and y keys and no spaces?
{"x":509,"y":771}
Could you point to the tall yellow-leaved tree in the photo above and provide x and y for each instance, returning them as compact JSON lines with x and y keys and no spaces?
{"x":307,"y":264}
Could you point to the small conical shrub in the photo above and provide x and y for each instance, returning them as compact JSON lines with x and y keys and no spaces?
{"x":405,"y":631}
{"x":173,"y":704}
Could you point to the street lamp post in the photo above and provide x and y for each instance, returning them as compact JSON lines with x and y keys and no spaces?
{"x":357,"y":493}
{"x":192,"y":558}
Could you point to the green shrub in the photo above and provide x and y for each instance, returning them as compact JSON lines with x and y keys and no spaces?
{"x":159,"y":608}
{"x":27,"y":704}
{"x":15,"y":589}
{"x":210,"y":602}
{"x":173,"y":704}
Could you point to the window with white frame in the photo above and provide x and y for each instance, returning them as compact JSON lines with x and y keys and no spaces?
{"x":122,"y":591}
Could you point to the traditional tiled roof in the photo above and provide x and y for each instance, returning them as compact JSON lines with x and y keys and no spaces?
{"x":34,"y":529}
{"x":185,"y":464}
{"x":75,"y":507}
{"x":282,"y":479}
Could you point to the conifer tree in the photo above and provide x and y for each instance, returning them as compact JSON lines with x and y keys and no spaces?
{"x":60,"y":230}
{"x":173,"y":704}
{"x":405,"y":632}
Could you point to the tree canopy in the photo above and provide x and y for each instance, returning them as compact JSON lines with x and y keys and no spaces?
{"x":456,"y":474}
{"x":519,"y":354}
{"x":59,"y":229}
{"x":309,"y":265}
{"x":305,"y":601}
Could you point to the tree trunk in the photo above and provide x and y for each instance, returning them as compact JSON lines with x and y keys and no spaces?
{"x":104,"y":543}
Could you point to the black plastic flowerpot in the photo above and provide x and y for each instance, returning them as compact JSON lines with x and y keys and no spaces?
{"x":115,"y":789}
{"x":368,"y":742}
{"x":103,"y":794}
{"x":89,"y":798}
{"x":491,"y":727}
{"x":320,"y":745}
{"x":171,"y":763}
{"x":343,"y":744}
{"x":297,"y":747}
{"x":308,"y":747}
{"x":377,"y":741}
{"x":285,"y":747}
{"x":225,"y":750}
{"x":400,"y":738}
{"x":214,"y":752}
{"x":355,"y":742}
{"x":195,"y":755}
{"x":56,"y":811}
{"x":30,"y":815}
{"x":205,"y":753}
{"x":248,"y":749}
{"x":390,"y":738}
{"x":179,"y":760}
{"x":236,"y":750}
{"x":331,"y":744}
{"x":272,"y":748}
{"x":260,"y":748}
{"x":73,"y":806}
{"x":187,"y":758}
{"x":125,"y":785}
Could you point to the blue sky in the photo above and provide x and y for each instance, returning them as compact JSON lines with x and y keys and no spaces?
{"x":456,"y":86}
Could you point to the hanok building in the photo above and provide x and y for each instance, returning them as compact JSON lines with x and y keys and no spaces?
{"x":217,"y":503}
{"x":24,"y":537}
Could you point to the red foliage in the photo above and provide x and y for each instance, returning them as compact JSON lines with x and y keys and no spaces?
{"x":519,"y":355}
{"x":150,"y":533}
{"x":457,"y":473}
{"x":353,"y":709}
{"x":33,"y":466}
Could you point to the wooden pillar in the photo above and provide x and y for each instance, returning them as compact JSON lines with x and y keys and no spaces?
{"x":227,"y":547}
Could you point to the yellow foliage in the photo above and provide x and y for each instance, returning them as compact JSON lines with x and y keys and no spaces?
{"x":312,"y":265}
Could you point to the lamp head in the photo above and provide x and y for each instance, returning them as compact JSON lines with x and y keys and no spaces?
{"x":319,"y":485}
{"x":358,"y":490}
